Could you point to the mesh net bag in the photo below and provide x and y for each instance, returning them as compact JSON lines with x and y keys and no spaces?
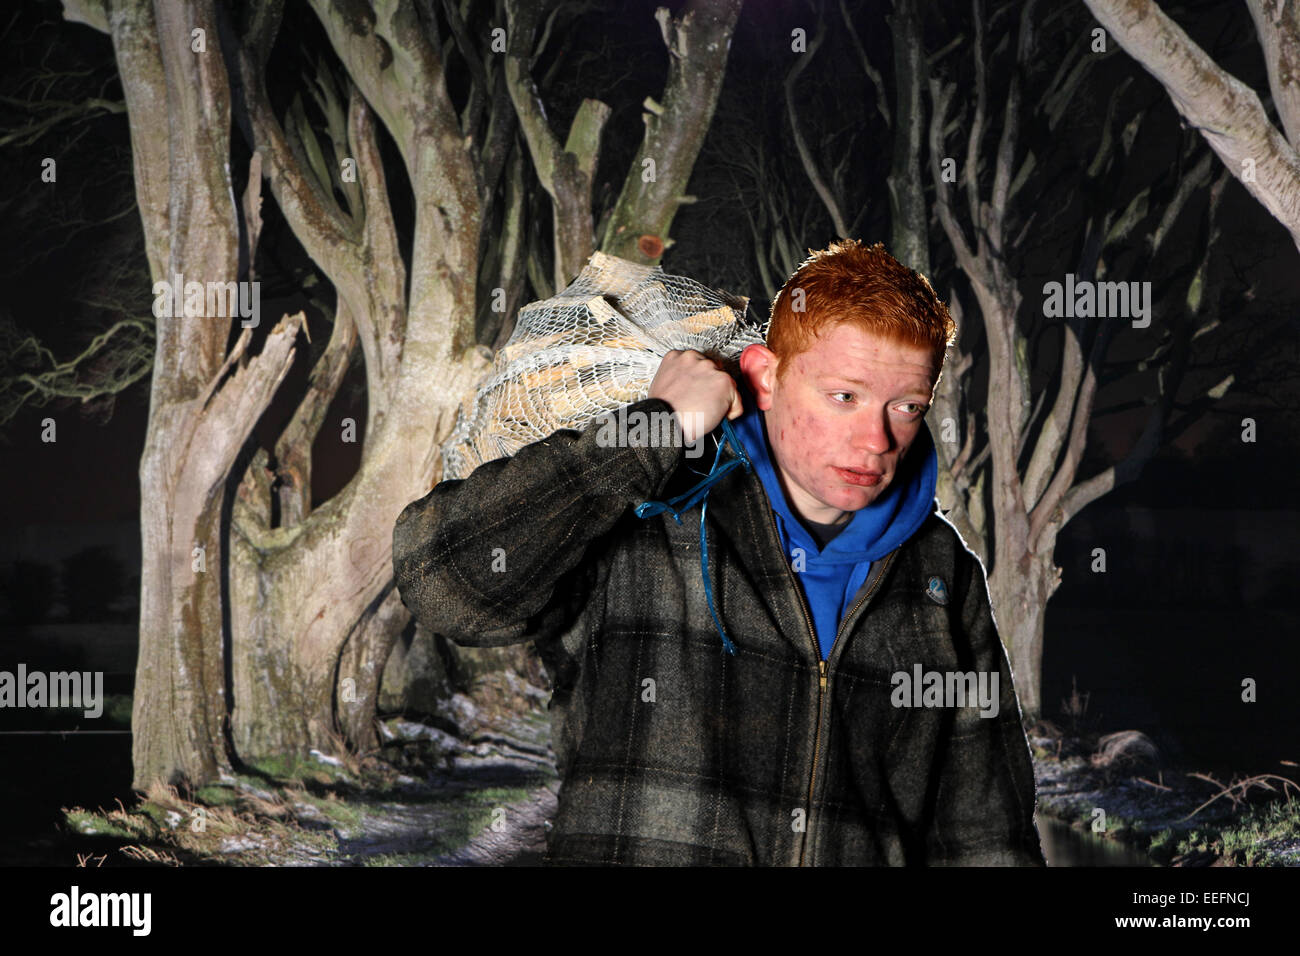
{"x":589,"y":350}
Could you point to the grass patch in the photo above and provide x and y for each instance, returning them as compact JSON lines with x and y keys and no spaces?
{"x":217,"y":795}
{"x":400,"y":859}
{"x":295,"y":770}
{"x":1117,"y":826}
{"x":1163,"y":846}
{"x":91,"y":823}
{"x":339,"y":812}
{"x":1240,"y":843}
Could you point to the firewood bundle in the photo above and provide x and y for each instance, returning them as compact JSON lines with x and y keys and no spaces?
{"x":589,"y":350}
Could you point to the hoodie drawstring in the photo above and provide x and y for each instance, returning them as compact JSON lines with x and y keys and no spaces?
{"x":700,"y":494}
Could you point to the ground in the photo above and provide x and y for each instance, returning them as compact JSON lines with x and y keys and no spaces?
{"x":433,"y":800}
{"x":1176,"y":815}
{"x":485,"y":796}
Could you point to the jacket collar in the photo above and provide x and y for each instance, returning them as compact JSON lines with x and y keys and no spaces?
{"x":740,"y":507}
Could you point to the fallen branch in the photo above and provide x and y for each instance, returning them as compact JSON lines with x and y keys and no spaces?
{"x":1259,"y":780}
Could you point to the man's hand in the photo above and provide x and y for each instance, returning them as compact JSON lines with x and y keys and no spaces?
{"x":698,"y":390}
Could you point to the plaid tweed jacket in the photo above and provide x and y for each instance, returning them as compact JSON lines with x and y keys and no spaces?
{"x":673,"y":752}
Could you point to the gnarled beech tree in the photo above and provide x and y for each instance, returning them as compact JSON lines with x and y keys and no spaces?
{"x":302,"y":615}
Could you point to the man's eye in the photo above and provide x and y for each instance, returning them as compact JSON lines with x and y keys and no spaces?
{"x":849,"y":394}
{"x":920,"y":409}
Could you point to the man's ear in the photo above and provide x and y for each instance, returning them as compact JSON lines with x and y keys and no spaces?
{"x":758,"y":365}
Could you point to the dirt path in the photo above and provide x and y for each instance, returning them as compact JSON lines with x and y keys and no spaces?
{"x":491,"y":808}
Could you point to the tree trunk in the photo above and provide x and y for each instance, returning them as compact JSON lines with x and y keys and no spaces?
{"x":908,"y":213}
{"x":198,"y":418}
{"x":313,"y":610}
{"x":1020,"y":587}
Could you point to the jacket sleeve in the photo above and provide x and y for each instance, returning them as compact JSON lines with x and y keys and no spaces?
{"x":986,"y":795}
{"x":499,"y":557}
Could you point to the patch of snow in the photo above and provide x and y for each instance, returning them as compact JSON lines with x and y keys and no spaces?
{"x":326,"y":759}
{"x":410,"y":730}
{"x":257,"y":792}
{"x":525,"y":688}
{"x":462,"y":710}
{"x":233,"y":844}
{"x":309,"y":812}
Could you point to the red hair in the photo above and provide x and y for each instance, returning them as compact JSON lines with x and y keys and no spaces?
{"x":863,"y":285}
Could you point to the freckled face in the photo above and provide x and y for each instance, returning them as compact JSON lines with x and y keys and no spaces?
{"x":843,"y":417}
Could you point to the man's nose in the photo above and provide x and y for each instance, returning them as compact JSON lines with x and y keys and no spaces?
{"x":871,"y":431}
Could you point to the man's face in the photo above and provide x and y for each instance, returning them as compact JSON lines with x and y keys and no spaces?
{"x":842,"y":418}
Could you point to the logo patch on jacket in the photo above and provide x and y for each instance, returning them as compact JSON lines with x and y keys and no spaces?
{"x":937,"y":591}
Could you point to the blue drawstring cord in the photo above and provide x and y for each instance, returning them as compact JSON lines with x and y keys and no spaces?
{"x":700,"y":494}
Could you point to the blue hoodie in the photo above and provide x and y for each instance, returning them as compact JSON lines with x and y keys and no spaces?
{"x":832,"y":576}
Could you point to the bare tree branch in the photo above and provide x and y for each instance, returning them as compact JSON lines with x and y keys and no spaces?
{"x":877,"y":81}
{"x":1277,"y":25}
{"x":1227,"y":112}
{"x":697,"y":47}
{"x":805,"y":154}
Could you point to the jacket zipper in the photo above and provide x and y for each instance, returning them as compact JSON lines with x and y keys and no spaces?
{"x":823,"y":676}
{"x":821,"y":684}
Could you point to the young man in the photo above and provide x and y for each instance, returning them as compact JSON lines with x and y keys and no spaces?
{"x":857,"y":708}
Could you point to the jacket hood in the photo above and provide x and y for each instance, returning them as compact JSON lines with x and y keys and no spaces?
{"x":873,"y":531}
